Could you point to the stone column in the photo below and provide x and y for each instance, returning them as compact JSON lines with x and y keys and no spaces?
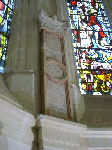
{"x":49,"y":6}
{"x":22,"y":64}
{"x":62,"y":10}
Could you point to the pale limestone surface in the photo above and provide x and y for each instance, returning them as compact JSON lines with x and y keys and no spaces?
{"x":23,"y":59}
{"x":58,"y":134}
{"x":15,"y":127}
{"x":22,"y":80}
{"x":23,"y":86}
{"x":100,"y":138}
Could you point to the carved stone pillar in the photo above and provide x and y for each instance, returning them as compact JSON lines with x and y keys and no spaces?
{"x":22,"y":64}
{"x":55,"y":86}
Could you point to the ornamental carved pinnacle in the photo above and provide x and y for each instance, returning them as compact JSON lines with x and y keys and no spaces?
{"x":52,"y":23}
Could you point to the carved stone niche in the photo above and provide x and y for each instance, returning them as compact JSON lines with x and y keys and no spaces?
{"x":54,"y":86}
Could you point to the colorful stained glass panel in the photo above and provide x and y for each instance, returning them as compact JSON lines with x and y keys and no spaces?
{"x":6,"y":9}
{"x":92,"y":42}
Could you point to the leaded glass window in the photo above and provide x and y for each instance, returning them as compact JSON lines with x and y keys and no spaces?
{"x":6,"y":9}
{"x":92,"y":39}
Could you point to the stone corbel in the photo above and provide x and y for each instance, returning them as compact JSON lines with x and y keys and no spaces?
{"x":52,"y":23}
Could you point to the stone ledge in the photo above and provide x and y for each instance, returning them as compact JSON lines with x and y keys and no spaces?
{"x":15,"y":126}
{"x":100,"y":139}
{"x":68,"y":124}
{"x":60,"y":134}
{"x":100,"y":148}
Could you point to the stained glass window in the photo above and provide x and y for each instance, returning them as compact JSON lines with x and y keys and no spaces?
{"x":92,"y":41}
{"x":6,"y":9}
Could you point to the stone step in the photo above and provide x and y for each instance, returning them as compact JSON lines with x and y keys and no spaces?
{"x":99,"y":138}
